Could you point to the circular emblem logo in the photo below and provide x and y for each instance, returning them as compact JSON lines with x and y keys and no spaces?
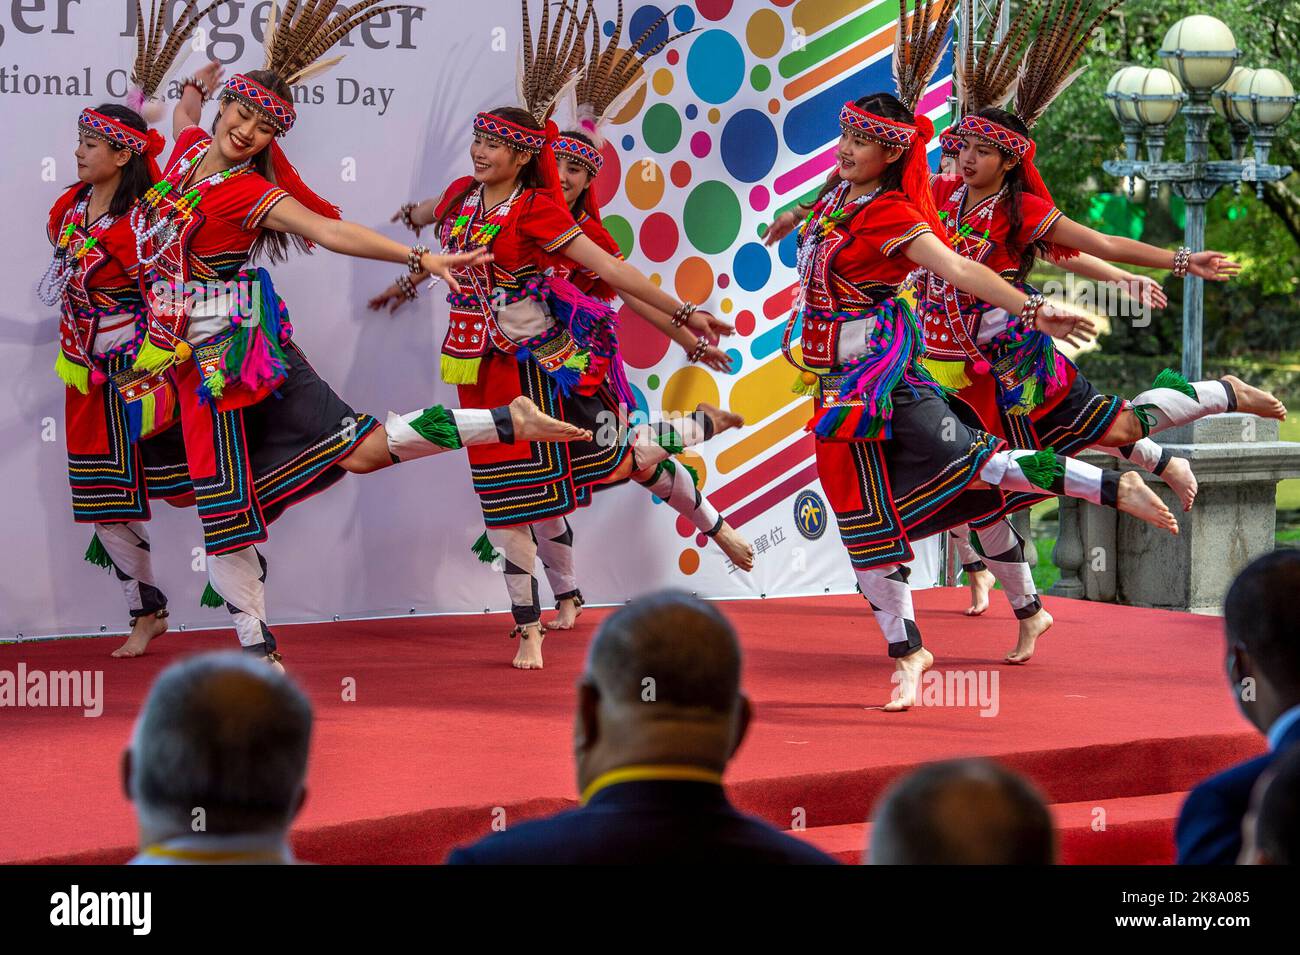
{"x":810,"y":514}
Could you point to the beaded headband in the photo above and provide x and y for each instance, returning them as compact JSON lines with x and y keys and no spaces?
{"x":949,"y":143}
{"x":577,"y":151}
{"x":1008,"y":140}
{"x":109,"y":129}
{"x":888,"y":132}
{"x":511,"y":134}
{"x":253,"y":94}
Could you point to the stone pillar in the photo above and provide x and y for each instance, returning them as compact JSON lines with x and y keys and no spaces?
{"x":1068,"y":552}
{"x":1098,"y":527}
{"x":1238,"y":461}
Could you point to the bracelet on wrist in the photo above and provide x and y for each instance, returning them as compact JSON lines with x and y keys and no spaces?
{"x":408,"y":220}
{"x":199,"y":85}
{"x":407,"y":287}
{"x":413,"y":258}
{"x":1182,"y":258}
{"x":1029,"y":311}
{"x":683,"y":314}
{"x":696,"y":353}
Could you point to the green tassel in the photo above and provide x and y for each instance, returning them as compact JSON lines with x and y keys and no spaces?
{"x":459,"y":371}
{"x":975,"y":543}
{"x":152,"y":359}
{"x":804,"y":388}
{"x":579,"y":361}
{"x":210,"y":597}
{"x":437,"y":426}
{"x":1172,"y":379}
{"x":484,"y":550}
{"x":1042,"y":468}
{"x":670,"y":441}
{"x":215,"y":383}
{"x":95,"y":553}
{"x":72,"y":374}
{"x":695,"y":475}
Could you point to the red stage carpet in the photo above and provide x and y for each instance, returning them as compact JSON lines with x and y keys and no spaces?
{"x":1121,"y":711}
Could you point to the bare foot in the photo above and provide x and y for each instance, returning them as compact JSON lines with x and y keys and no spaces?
{"x":1031,"y":628}
{"x":1178,"y":475}
{"x":1139,"y":500}
{"x":1251,"y":400}
{"x":273,"y":661}
{"x":529,"y":656}
{"x":722,"y":420}
{"x":532,"y":425}
{"x":909,"y":670}
{"x":981,"y":582}
{"x":143,"y":630}
{"x":737,"y":549}
{"x":568,"y":611}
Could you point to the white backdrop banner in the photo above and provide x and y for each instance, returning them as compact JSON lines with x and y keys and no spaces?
{"x":737,"y":121}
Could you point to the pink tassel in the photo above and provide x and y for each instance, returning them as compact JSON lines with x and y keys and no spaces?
{"x":259,"y":364}
{"x":97,"y":377}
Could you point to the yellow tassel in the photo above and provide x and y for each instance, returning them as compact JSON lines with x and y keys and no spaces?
{"x":460,"y":371}
{"x":72,"y":374}
{"x":153,"y":359}
{"x":950,"y":374}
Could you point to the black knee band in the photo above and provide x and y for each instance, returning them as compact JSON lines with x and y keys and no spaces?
{"x":913,"y":641}
{"x":1029,"y":610}
{"x":1165,"y":458}
{"x":1232,"y":396}
{"x":706,"y":424}
{"x":975,"y":567}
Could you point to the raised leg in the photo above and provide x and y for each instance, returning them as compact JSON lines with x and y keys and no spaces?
{"x":127,"y":546}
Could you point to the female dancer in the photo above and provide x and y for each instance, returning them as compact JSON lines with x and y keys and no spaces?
{"x":1001,"y":213}
{"x":222,"y":335}
{"x":119,"y":456}
{"x":518,"y":329}
{"x":893,"y":458}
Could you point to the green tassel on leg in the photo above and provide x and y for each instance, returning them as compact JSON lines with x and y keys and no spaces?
{"x":484,"y":550}
{"x":670,"y":441}
{"x":210,"y":597}
{"x":152,"y":359}
{"x":1042,"y":468}
{"x":96,"y":554}
{"x":437,"y":426}
{"x":695,"y":475}
{"x":72,"y":374}
{"x":1169,"y":378}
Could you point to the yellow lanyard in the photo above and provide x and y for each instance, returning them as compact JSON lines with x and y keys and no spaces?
{"x":633,"y":774}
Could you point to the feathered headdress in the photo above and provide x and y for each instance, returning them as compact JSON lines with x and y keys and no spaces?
{"x":296,"y":39}
{"x":918,"y":47}
{"x":549,"y":64}
{"x":158,"y":54}
{"x":1045,"y":71}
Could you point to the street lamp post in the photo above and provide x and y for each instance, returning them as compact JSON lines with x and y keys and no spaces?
{"x":1199,"y":54}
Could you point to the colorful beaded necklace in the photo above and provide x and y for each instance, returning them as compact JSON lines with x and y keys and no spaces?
{"x":821,"y":223}
{"x":59,"y":273}
{"x":985,"y":212}
{"x":486,"y":230}
{"x":166,"y":226}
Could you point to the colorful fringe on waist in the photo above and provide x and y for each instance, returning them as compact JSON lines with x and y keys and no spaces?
{"x":893,"y":355}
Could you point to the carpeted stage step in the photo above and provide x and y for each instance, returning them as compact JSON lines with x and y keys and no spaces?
{"x":1138,"y":830}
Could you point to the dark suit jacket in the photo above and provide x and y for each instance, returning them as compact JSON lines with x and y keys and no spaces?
{"x":645,"y":822}
{"x":1209,"y":826}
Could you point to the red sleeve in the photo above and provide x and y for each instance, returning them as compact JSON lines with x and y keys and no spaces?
{"x":1037,"y":217}
{"x":119,"y":242}
{"x":187,"y":138}
{"x":264,"y":195}
{"x":942,"y":187}
{"x":547,"y":223}
{"x":451,"y":192}
{"x":62,"y":206}
{"x":889,"y":224}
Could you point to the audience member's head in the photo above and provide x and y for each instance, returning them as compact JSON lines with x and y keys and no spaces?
{"x":661,"y":685}
{"x":1270,"y":832}
{"x":962,"y":812}
{"x":1263,"y":655}
{"x":220,"y":748}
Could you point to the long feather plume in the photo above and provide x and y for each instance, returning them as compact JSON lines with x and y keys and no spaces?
{"x":156,"y":48}
{"x":1066,"y":28}
{"x":300,"y":32}
{"x":918,"y":46}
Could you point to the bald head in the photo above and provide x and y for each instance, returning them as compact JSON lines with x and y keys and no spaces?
{"x":224,"y":733}
{"x":682,"y":644}
{"x":962,"y":812}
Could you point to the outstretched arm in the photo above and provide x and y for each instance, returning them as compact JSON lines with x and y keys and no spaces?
{"x":713,"y":356}
{"x":1208,"y":264}
{"x":189,"y":108}
{"x":1141,"y":288}
{"x":349,"y":238}
{"x":979,"y":280}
